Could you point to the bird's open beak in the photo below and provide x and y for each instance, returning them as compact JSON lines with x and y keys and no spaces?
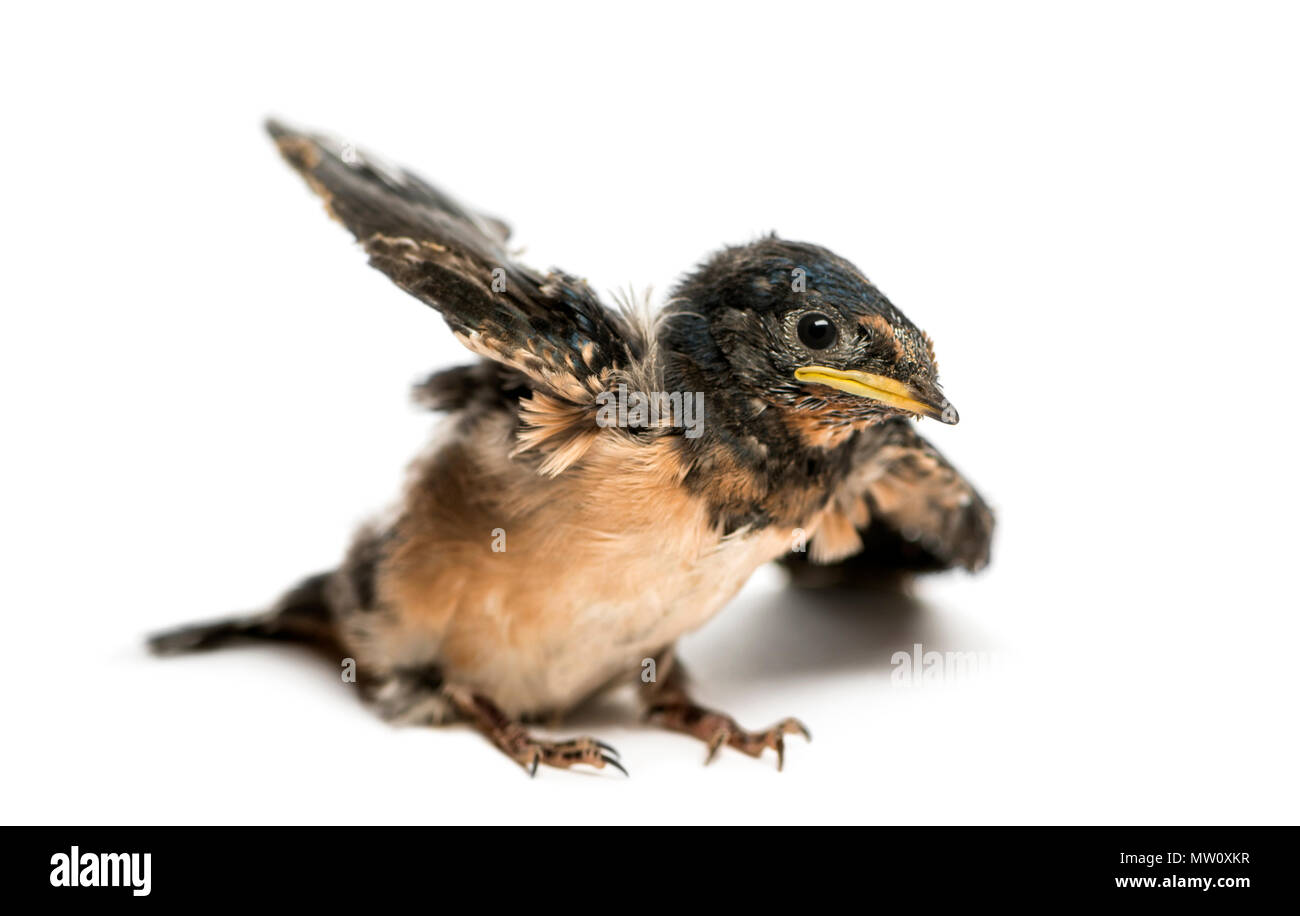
{"x":928,"y":403}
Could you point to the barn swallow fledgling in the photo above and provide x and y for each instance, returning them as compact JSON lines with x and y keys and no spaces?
{"x":605,"y":482}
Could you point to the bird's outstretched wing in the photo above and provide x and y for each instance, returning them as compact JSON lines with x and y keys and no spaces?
{"x":904,"y":508}
{"x":552,"y":327}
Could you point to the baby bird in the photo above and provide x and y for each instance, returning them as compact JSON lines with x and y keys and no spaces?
{"x":605,"y":482}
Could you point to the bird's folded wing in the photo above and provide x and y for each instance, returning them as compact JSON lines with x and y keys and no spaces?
{"x":904,"y":508}
{"x":551,"y":327}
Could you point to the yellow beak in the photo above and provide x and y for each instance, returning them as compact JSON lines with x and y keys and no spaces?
{"x":883,"y":389}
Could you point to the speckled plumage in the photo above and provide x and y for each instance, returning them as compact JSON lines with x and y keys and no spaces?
{"x":541,"y":554}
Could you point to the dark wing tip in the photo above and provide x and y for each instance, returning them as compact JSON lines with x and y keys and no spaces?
{"x":301,"y":150}
{"x":281,"y":132}
{"x":551,"y":329}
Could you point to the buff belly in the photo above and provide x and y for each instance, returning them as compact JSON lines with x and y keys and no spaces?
{"x":537,"y":592}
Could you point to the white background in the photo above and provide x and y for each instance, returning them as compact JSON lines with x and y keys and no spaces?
{"x":1091,"y":207}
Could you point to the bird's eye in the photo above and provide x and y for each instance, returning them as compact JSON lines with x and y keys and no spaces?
{"x":816,"y":331}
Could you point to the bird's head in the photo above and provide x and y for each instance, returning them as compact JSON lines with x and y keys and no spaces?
{"x":802,"y":330}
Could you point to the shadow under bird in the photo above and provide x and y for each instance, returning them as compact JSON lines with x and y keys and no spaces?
{"x":606,"y":481}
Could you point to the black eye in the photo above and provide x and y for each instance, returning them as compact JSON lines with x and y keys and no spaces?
{"x":816,"y":331}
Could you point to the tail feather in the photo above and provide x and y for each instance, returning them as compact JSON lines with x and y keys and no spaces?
{"x":302,"y":615}
{"x":197,"y":637}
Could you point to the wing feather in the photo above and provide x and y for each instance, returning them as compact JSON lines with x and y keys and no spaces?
{"x":904,"y":508}
{"x":551,"y":327}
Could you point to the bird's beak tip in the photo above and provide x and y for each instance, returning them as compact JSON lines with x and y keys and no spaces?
{"x":923,"y":400}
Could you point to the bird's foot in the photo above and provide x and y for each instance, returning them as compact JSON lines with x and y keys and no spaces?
{"x":529,"y":752}
{"x":716,"y":729}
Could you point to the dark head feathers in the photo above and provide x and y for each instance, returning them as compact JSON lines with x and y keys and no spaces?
{"x":756,"y":311}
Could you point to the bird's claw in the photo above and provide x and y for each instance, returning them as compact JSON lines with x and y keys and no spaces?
{"x":754,"y":743}
{"x":531,"y":753}
{"x":716,"y":729}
